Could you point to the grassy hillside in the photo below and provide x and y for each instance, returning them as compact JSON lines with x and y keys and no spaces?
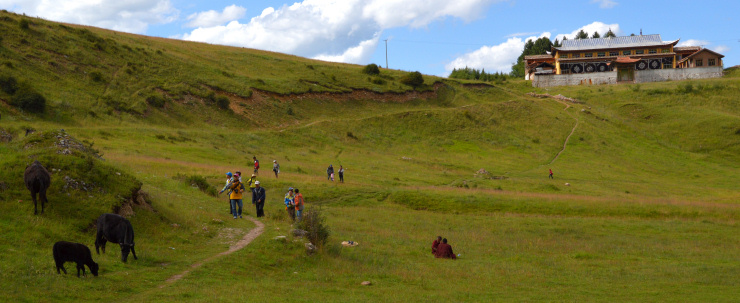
{"x":649,"y":212}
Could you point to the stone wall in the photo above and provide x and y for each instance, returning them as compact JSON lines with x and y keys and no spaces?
{"x":642,"y":76}
{"x":575,"y":79}
{"x":657,"y":75}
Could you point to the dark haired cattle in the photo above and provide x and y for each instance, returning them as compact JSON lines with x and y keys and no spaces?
{"x":74,"y":252}
{"x":37,"y":180}
{"x":116,"y":229}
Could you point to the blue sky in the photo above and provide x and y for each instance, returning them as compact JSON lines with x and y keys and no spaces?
{"x":431,"y":36}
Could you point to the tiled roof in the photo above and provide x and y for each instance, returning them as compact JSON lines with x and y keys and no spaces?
{"x":686,"y":48}
{"x":615,"y":42}
{"x":705,"y":50}
{"x":535,"y":57}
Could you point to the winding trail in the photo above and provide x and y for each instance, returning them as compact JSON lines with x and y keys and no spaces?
{"x":565,"y":144}
{"x":253,"y":234}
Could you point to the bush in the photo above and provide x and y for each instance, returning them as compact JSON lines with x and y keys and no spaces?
{"x":28,"y":99}
{"x":313,"y":222}
{"x":23,"y":24}
{"x":413,"y":79}
{"x":155,"y":101}
{"x":8,"y":84}
{"x":223,"y":102}
{"x":96,"y":76}
{"x":371,"y":69}
{"x":200,"y":182}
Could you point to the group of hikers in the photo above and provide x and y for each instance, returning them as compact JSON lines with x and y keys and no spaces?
{"x":330,"y":173}
{"x":235,"y":187}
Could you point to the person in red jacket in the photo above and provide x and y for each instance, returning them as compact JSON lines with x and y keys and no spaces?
{"x":256,"y":164}
{"x":444,"y":250}
{"x":435,"y":244}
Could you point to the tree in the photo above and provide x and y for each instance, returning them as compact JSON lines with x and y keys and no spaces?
{"x":413,"y":79}
{"x":610,"y":34}
{"x":596,"y":35}
{"x":632,"y":34}
{"x":582,"y":35}
{"x":539,"y":47}
{"x":556,"y":43}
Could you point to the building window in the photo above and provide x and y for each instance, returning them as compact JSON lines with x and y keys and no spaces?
{"x":699,"y":62}
{"x":711,"y":62}
{"x":626,"y":53}
{"x":588,"y":55}
{"x":576,"y":55}
{"x":639,"y":52}
{"x":652,"y":51}
{"x":601,"y":54}
{"x":667,"y":65}
{"x":666,"y":50}
{"x":563,"y":56}
{"x":613,"y":54}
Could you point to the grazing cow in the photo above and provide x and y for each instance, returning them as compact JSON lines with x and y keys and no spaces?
{"x":74,"y":252}
{"x":116,"y":229}
{"x":37,"y":180}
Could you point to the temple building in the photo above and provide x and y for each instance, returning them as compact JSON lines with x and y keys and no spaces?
{"x":627,"y":59}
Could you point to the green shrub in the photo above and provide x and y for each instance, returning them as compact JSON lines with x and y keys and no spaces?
{"x":8,"y":84}
{"x":96,"y":76}
{"x":155,"y":101}
{"x":371,"y":69}
{"x":413,"y":79}
{"x":28,"y":99}
{"x":378,"y":81}
{"x":313,"y":222}
{"x":23,"y":24}
{"x":223,"y":102}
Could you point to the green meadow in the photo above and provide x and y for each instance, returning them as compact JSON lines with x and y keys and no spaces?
{"x":643,"y":207}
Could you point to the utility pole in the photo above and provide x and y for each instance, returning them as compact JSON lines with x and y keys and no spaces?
{"x":386,"y":53}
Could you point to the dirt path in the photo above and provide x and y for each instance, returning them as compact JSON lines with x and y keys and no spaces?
{"x":253,"y":234}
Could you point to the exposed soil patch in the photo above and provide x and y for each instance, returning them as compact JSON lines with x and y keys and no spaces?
{"x":138,"y":199}
{"x":253,"y":234}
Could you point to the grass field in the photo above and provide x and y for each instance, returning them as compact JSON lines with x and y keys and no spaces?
{"x":650,"y":212}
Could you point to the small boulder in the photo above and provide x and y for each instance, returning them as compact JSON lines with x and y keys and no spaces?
{"x":366,"y":283}
{"x":299,"y":233}
{"x":310,"y":248}
{"x":567,"y":184}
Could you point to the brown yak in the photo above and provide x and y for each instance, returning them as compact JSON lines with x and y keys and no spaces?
{"x":37,"y":181}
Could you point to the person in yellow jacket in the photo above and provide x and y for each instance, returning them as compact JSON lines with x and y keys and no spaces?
{"x":236,"y":188}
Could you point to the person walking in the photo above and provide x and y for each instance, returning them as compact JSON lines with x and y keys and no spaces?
{"x":290,"y":204}
{"x":330,"y":173}
{"x":228,"y":180}
{"x":551,"y":174}
{"x":341,"y":174}
{"x":236,"y":189}
{"x":251,"y":183}
{"x":258,"y":199}
{"x":275,"y":168}
{"x":256,"y":164}
{"x":298,"y":205}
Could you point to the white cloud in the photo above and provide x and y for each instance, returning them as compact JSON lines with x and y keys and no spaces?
{"x":600,"y":27}
{"x":133,"y":16}
{"x":521,"y":34}
{"x":693,"y":42}
{"x":605,"y":3}
{"x":497,"y":58}
{"x":213,"y":18}
{"x":721,"y":48}
{"x":335,"y":30}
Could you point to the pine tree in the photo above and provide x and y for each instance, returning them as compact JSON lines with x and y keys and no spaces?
{"x":557,"y":43}
{"x":596,"y":35}
{"x":582,"y":35}
{"x":610,"y":34}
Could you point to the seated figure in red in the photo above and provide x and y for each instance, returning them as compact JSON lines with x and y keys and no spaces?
{"x":444,"y":250}
{"x":435,"y":244}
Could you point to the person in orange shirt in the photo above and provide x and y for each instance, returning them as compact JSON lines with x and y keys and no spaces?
{"x":298,"y":205}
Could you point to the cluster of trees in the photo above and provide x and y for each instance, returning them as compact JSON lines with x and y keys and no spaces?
{"x":474,"y":74}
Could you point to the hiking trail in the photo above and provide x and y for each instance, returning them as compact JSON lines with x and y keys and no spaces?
{"x":251,"y":235}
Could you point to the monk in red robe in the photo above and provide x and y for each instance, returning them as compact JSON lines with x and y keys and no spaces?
{"x":435,"y":244}
{"x":444,"y":250}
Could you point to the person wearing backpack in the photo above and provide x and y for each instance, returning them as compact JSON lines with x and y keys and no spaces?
{"x":275,"y":168}
{"x":290,"y":204}
{"x":236,"y":189}
{"x":258,"y":199}
{"x":298,"y":205}
{"x":228,"y":180}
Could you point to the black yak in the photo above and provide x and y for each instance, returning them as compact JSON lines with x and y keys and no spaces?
{"x":37,"y":180}
{"x":74,"y":252}
{"x":116,"y":229}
